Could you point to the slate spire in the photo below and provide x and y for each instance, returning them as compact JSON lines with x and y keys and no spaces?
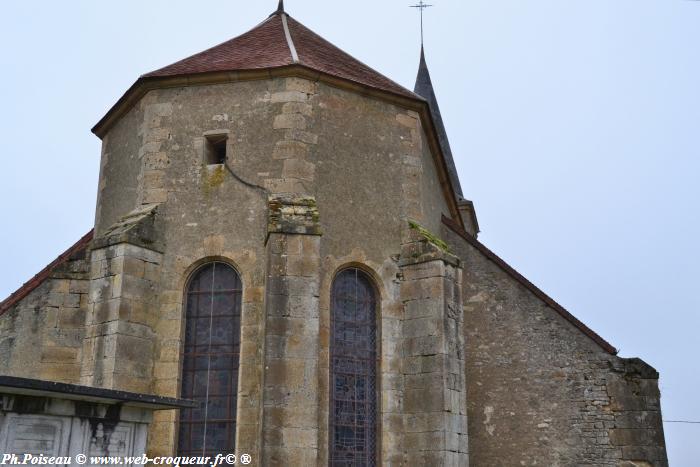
{"x":424,"y":88}
{"x":280,"y":7}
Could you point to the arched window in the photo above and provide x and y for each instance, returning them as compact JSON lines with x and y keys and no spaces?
{"x":210,"y":361}
{"x":353,"y":371}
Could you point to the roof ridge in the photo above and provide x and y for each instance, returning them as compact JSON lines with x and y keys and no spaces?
{"x":288,"y":36}
{"x":264,"y":51}
{"x":348,"y":56}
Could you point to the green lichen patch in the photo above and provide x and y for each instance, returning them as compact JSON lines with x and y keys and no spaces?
{"x":429,"y":236}
{"x":212,"y":177}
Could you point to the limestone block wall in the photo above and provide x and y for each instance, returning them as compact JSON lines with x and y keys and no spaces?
{"x":285,"y":135}
{"x":290,"y":414}
{"x":120,"y":167}
{"x":295,"y":140}
{"x":539,"y":390}
{"x":41,"y":335}
{"x":119,"y":338}
{"x":434,"y":403}
{"x":637,"y":428}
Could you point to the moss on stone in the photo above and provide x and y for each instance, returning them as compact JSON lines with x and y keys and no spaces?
{"x":429,"y":236}
{"x":212,"y":177}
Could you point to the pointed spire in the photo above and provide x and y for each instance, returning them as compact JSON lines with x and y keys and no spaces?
{"x":423,"y":65}
{"x":424,"y":88}
{"x":279,"y":10}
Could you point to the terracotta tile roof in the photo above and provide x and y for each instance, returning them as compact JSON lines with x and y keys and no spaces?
{"x":319,"y":54}
{"x":529,"y":285}
{"x":44,"y":274}
{"x":262,"y":47}
{"x":266,"y":46}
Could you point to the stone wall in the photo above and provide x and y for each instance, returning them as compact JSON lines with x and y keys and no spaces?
{"x":637,"y":428}
{"x":124,"y":285}
{"x":434,"y":407}
{"x":119,"y":160}
{"x":539,"y":390}
{"x":119,"y":339}
{"x":354,"y":169}
{"x":290,"y":407}
{"x":284,"y":135}
{"x":41,"y":335}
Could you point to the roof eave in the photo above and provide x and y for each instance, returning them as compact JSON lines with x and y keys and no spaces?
{"x":147,"y":83}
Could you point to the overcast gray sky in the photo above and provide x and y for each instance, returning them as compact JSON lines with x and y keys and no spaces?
{"x":574,"y":124}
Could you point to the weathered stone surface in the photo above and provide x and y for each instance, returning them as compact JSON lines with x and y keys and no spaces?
{"x":296,"y":134}
{"x":435,"y":391}
{"x":289,"y":96}
{"x":301,"y":85}
{"x":119,"y":342}
{"x":41,"y":336}
{"x":295,"y":168}
{"x":287,"y":121}
{"x":298,"y":107}
{"x":138,"y":228}
{"x":537,"y":390}
{"x":290,"y":414}
{"x":528,"y":363}
{"x":291,"y":150}
{"x":293,"y":214}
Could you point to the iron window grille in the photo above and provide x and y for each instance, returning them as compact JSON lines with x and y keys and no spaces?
{"x":210,"y":361}
{"x":353,"y":371}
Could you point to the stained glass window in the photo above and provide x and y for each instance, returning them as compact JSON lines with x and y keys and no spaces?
{"x":210,"y":361}
{"x":353,"y":372}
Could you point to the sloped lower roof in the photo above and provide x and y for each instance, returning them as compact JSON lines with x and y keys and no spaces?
{"x":549,"y":301}
{"x":54,"y":389}
{"x":280,"y":41}
{"x":44,"y":274}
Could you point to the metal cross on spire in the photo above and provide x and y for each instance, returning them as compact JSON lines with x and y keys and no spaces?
{"x":421,"y":6}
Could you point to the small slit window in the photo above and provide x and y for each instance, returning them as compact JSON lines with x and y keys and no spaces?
{"x":215,"y":149}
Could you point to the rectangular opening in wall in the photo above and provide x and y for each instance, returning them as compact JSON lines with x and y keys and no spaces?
{"x":215,"y":149}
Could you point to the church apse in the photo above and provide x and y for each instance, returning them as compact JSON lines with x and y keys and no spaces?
{"x":281,"y":157}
